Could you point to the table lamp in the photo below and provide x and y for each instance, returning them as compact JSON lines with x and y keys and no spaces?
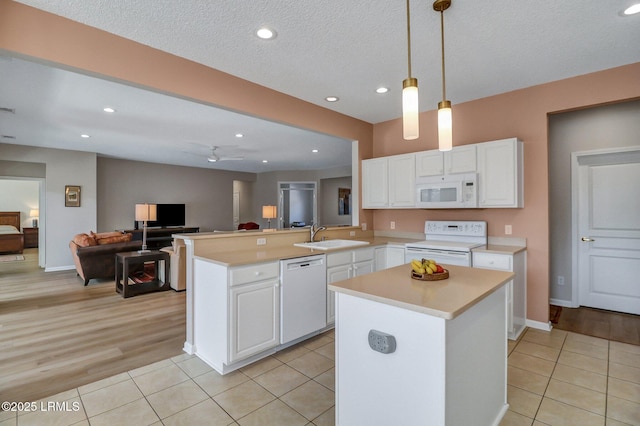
{"x":269,"y":212}
{"x":145,"y":212}
{"x":34,"y":213}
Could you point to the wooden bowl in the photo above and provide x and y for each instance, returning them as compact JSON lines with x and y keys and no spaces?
{"x":430,"y":277}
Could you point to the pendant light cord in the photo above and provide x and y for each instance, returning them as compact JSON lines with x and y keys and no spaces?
{"x":444,"y":90}
{"x":409,"y":38}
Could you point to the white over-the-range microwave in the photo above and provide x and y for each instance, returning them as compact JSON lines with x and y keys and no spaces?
{"x":456,"y":191}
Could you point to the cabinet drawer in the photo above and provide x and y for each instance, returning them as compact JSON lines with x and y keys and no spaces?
{"x":339,"y":258}
{"x":253,"y":273}
{"x":492,"y":261}
{"x":363,"y":254}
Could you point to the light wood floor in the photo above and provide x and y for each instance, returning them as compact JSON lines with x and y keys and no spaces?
{"x":56,"y":334}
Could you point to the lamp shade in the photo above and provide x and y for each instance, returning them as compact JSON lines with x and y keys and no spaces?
{"x":34,"y":212}
{"x":146,"y":212}
{"x":269,"y":212}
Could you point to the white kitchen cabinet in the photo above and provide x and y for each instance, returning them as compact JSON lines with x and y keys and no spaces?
{"x":461,"y":159}
{"x":516,"y":288}
{"x":388,"y":182}
{"x":388,"y":256}
{"x":343,"y":265}
{"x":500,"y":174}
{"x":236,"y":312}
{"x":375,"y":183}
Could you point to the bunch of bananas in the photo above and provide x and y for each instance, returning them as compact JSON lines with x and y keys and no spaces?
{"x":425,"y":266}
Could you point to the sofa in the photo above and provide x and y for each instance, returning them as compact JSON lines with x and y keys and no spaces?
{"x":94,"y":254}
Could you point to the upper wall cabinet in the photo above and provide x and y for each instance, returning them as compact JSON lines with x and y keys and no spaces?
{"x":388,"y":182}
{"x":500,"y":174}
{"x":461,"y":159}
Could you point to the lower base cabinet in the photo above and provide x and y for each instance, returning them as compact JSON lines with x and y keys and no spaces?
{"x":344,"y":265}
{"x":236,"y":312}
{"x":516,"y":288}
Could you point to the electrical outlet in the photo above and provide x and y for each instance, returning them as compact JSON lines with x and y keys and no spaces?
{"x":261,"y":241}
{"x":352,"y":233}
{"x":560,"y":280}
{"x":382,"y":342}
{"x":364,"y":226}
{"x":508,"y":229}
{"x":393,"y":224}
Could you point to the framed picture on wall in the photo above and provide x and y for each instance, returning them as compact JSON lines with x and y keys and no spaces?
{"x":72,"y":196}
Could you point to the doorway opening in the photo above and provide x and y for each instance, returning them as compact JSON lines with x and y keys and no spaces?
{"x":297,"y":204}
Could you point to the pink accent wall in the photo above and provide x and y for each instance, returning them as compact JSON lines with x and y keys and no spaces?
{"x":31,"y":33}
{"x":522,"y":114}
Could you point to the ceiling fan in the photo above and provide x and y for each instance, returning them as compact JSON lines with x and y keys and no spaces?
{"x":215,"y":157}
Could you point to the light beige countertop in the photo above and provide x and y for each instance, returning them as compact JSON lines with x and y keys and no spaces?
{"x":500,"y":249}
{"x":268,"y":254}
{"x":444,"y":299}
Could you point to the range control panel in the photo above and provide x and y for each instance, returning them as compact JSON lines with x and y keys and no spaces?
{"x":435,"y":228}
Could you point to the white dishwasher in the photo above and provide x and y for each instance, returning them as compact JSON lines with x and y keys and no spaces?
{"x":303,"y":296}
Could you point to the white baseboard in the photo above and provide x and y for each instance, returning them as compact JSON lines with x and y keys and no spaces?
{"x":563,"y":303}
{"x":189,"y":348}
{"x":544,"y":326}
{"x":59,"y":268}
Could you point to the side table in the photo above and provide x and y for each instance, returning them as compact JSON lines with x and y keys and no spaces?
{"x":128,"y":286}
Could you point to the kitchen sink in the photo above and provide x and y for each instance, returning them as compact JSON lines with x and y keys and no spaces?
{"x":331,"y":244}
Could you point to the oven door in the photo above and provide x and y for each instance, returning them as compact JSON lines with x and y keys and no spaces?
{"x":446,"y":257}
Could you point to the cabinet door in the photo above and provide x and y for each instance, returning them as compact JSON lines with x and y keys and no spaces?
{"x":375,"y":183}
{"x":429,"y":163}
{"x":254,"y":318}
{"x":362,"y":268}
{"x":335,"y":274}
{"x":395,"y":256}
{"x":500,"y":173}
{"x":461,"y":159}
{"x":402,"y":181}
{"x":380,"y":258}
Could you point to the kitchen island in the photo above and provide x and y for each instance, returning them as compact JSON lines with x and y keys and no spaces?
{"x":446,"y":342}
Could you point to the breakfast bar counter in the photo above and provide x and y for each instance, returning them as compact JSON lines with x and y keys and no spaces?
{"x":421,"y":352}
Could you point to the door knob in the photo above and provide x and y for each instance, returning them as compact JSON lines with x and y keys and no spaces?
{"x":587,"y":239}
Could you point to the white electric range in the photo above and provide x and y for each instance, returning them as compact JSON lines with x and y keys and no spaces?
{"x":448,"y":242}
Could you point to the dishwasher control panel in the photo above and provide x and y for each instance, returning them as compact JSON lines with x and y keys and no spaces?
{"x":382,"y":342}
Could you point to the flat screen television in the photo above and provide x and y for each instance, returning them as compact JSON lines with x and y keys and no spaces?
{"x":167,"y":215}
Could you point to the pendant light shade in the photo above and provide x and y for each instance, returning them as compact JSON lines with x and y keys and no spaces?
{"x":410,"y":102}
{"x":445,"y":134}
{"x":410,"y":126}
{"x":445,"y":119}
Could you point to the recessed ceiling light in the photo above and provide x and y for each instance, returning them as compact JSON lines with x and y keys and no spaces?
{"x":266,"y":33}
{"x":633,"y":9}
{"x":239,"y":135}
{"x":265,"y":161}
{"x":314,"y":150}
{"x":382,"y":90}
{"x":85,"y":136}
{"x":108,"y":109}
{"x":332,"y":99}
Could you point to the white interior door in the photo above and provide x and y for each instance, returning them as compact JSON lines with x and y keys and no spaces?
{"x":608,"y":231}
{"x":236,"y":209}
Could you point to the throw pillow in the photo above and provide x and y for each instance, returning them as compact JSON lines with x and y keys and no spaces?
{"x":84,"y":240}
{"x":119,"y":238}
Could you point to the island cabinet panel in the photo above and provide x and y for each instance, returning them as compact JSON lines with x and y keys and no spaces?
{"x":443,"y":371}
{"x":236,"y":313}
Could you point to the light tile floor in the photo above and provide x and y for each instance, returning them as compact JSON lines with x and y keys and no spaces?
{"x":556,"y":378}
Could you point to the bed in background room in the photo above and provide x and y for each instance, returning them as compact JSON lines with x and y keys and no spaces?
{"x":11,"y":237}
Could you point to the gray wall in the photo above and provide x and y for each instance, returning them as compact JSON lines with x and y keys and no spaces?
{"x":601,"y":127}
{"x":58,"y":223}
{"x":206,"y":193}
{"x":328,"y":209}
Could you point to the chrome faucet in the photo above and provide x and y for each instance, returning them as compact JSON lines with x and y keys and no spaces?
{"x":313,"y":230}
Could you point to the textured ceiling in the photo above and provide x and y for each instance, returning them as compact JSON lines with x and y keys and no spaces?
{"x":349,"y":48}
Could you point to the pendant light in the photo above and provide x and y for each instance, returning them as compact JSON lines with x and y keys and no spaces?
{"x":445,"y":123}
{"x":410,"y":105}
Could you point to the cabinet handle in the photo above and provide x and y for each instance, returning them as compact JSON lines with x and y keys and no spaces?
{"x":257,"y":273}
{"x":587,"y":239}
